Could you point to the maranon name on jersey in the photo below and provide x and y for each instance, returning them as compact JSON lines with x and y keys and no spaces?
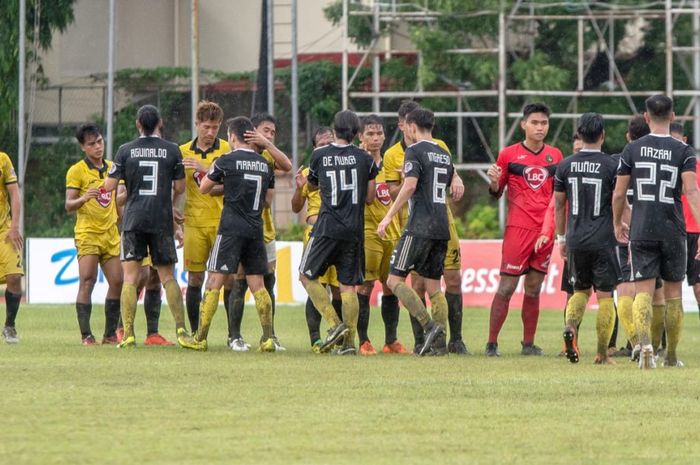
{"x":148,"y":152}
{"x":249,"y":165}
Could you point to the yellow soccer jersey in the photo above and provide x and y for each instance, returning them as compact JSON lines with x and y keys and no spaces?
{"x":376,"y":211}
{"x":268,"y":225}
{"x":95,"y":215}
{"x":202,"y":210}
{"x":313,"y":198}
{"x":7,"y":171}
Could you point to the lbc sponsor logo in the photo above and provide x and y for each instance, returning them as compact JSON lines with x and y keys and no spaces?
{"x":383,"y":193}
{"x":535,"y":176}
{"x":104,"y":197}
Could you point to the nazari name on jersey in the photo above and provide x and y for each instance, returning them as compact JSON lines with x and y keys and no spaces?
{"x":659,"y":154}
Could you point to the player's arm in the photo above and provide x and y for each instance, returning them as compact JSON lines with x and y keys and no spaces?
{"x":14,"y":236}
{"x":408,"y":187}
{"x":498,"y":176}
{"x":269,"y":195}
{"x":371,"y":191}
{"x":548,"y":226}
{"x":619,"y":205}
{"x":111,"y":183}
{"x":74,"y":200}
{"x":282,"y":161}
{"x":456,"y":186}
{"x":298,"y":199}
{"x":560,"y":221}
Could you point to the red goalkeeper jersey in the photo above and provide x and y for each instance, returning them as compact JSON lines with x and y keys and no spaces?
{"x":529,"y":177}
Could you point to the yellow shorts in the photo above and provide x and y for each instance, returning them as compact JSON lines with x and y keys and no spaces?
{"x":330,"y":277}
{"x":198,"y":244}
{"x":103,"y":245}
{"x":453,"y":257}
{"x":10,"y":259}
{"x":377,"y":257}
{"x":147,"y":261}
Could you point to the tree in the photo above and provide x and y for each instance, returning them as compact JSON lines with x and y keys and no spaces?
{"x":49,"y":16}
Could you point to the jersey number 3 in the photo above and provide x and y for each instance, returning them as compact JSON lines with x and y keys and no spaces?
{"x":151,"y":177}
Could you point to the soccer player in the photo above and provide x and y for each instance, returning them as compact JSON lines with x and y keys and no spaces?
{"x":262,"y":136}
{"x":585,"y":234}
{"x":11,"y":244}
{"x":96,"y":233}
{"x":526,"y":169}
{"x":428,"y":173}
{"x":202,"y":211}
{"x":378,"y":250}
{"x":152,"y":171}
{"x":344,"y":174}
{"x":392,"y":169}
{"x":302,"y":195}
{"x":249,"y":183}
{"x":661,"y":168}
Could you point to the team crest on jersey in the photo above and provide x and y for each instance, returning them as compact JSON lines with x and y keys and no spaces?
{"x":104,"y":198}
{"x":112,"y":169}
{"x":197,"y":176}
{"x":407,"y":167}
{"x":383,"y":193}
{"x":535,"y":176}
{"x":549,"y":158}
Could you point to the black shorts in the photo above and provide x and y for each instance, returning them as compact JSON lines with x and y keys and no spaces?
{"x":228,"y":251}
{"x":693,"y":267}
{"x":137,"y":245}
{"x":664,"y":259}
{"x":348,"y":258}
{"x":422,"y":255}
{"x":623,"y":257}
{"x":598,"y":269}
{"x":566,"y":285}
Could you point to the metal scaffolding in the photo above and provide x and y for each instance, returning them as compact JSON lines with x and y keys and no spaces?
{"x":602,"y":22}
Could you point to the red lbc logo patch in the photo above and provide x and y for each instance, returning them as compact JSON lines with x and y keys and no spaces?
{"x":104,"y":198}
{"x":197,"y":176}
{"x":535,"y":176}
{"x":383,"y":193}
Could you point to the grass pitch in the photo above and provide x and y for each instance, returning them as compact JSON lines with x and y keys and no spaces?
{"x":64,"y":403}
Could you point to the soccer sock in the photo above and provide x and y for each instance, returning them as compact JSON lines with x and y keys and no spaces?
{"x":674,"y":326}
{"x":313,"y":321}
{"x":193,"y":297}
{"x":530,"y":315}
{"x":338,"y":306}
{"x":350,"y":313}
{"x":12,"y":301}
{"x":390,"y":315}
{"x":412,"y":302}
{"x":575,"y":309}
{"x":173,"y":295}
{"x":84,"y":311}
{"x":363,"y":317}
{"x":499,"y":312}
{"x":624,"y":312}
{"x":438,"y":302}
{"x":111,"y":317}
{"x":454,"y":314}
{"x":210,"y":302}
{"x":236,"y":308}
{"x":657,"y":324}
{"x":227,"y":302}
{"x":613,"y":337}
{"x":418,"y":333}
{"x":319,"y":297}
{"x":128,"y":308}
{"x":604,"y":323}
{"x":151,"y":306}
{"x":269,"y":280}
{"x":263,"y":304}
{"x":642,"y":312}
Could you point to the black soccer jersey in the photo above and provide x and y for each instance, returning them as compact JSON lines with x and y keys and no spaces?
{"x":655,"y":164}
{"x":588,"y":179}
{"x":433,"y":167}
{"x":246,"y":176}
{"x":342,"y":173}
{"x":148,"y":166}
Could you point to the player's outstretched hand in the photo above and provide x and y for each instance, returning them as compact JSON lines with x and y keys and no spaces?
{"x":299,"y":178}
{"x":15,"y":238}
{"x":179,"y":237}
{"x":494,"y":173}
{"x":256,"y":138}
{"x":457,"y":188}
{"x":193,"y":164}
{"x":381,"y":228}
{"x":541,"y":242}
{"x":622,"y":233}
{"x":91,"y":193}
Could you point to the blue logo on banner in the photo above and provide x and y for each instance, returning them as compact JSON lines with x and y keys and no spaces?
{"x":69,"y":255}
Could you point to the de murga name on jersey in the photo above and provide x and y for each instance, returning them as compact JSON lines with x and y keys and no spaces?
{"x":339,"y":160}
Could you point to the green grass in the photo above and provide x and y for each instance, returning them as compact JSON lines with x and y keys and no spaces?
{"x":64,"y":403}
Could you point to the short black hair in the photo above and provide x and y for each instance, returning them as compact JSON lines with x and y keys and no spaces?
{"x":537,"y":107}
{"x":421,"y":117}
{"x":239,"y":126}
{"x":659,"y":107}
{"x":676,"y":127}
{"x":87,"y":129}
{"x":637,"y":127}
{"x":149,"y":118}
{"x":576,"y":137}
{"x":262,"y":117}
{"x":370,"y":120}
{"x":407,"y":106}
{"x":321,"y":130}
{"x":590,"y":127}
{"x":346,"y":124}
